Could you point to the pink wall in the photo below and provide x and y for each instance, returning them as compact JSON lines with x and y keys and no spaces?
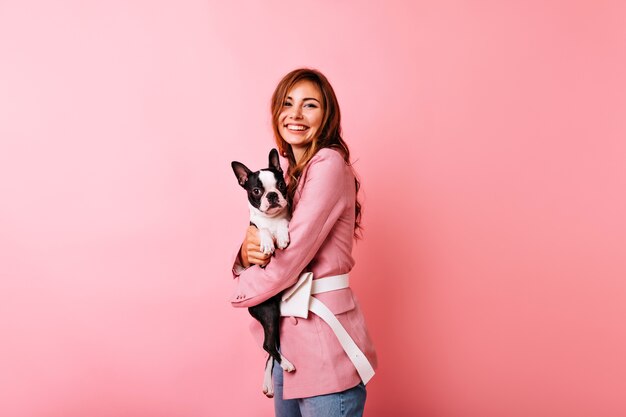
{"x":491,"y":141}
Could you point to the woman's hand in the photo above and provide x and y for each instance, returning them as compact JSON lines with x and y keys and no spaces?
{"x":251,"y":249}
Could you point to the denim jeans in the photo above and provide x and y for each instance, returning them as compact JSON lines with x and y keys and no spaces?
{"x":348,"y":403}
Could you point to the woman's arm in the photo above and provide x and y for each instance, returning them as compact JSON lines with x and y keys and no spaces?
{"x":322,"y":201}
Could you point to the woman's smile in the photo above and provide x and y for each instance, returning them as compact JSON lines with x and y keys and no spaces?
{"x":296,"y":128}
{"x":301,"y":116}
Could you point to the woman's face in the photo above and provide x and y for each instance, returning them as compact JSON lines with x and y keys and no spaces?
{"x":301,"y":116}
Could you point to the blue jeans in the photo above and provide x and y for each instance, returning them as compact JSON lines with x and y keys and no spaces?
{"x":348,"y":403}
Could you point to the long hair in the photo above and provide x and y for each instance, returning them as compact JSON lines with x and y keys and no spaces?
{"x":329,"y":135}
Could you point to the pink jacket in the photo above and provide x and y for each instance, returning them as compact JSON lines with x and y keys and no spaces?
{"x":321,"y":233}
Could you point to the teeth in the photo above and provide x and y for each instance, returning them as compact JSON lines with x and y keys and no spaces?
{"x":293,"y":127}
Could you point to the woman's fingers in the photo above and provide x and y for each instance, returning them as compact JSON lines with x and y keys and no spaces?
{"x":258,"y":258}
{"x":253,"y":236}
{"x":252,"y":245}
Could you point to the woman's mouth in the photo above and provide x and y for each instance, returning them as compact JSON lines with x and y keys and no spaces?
{"x":296,"y":128}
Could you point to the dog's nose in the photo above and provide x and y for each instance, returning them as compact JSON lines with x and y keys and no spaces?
{"x":272,"y":197}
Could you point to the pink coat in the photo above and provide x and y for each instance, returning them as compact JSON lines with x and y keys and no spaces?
{"x":321,"y":231}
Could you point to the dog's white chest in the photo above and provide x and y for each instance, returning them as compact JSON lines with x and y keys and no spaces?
{"x":271,"y":229}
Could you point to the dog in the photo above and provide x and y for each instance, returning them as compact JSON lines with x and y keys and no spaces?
{"x":269,"y":212}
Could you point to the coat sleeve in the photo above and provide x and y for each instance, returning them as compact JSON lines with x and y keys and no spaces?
{"x":322,"y":201}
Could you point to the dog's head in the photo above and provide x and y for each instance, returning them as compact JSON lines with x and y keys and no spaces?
{"x":267,"y":191}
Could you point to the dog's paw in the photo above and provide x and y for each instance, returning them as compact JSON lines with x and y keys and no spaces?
{"x":282,"y":237}
{"x":267,"y":241}
{"x":282,"y":242}
{"x":267,"y":248}
{"x":268,"y":386}
{"x":268,"y":390}
{"x":267,"y":244}
{"x":286,"y":365}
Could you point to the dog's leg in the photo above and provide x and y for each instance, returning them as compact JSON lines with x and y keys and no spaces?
{"x":268,"y":314}
{"x":268,"y":384}
{"x":285,"y":364}
{"x":267,"y":241}
{"x":282,"y":236}
{"x":272,"y":340}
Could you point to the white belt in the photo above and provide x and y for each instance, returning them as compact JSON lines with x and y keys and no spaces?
{"x":297,"y":301}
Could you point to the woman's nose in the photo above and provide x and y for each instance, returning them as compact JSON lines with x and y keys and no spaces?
{"x":296,"y":113}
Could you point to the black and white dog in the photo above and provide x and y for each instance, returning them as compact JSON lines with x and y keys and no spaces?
{"x":269,"y":212}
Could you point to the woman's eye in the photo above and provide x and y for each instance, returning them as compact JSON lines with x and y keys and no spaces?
{"x":311,"y":105}
{"x":287,"y":104}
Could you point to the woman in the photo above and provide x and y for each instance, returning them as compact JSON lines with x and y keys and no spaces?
{"x":330,"y":370}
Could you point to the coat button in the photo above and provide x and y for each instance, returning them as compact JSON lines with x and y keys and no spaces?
{"x":293,"y":320}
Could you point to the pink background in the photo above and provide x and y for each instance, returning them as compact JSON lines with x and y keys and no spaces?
{"x":490,"y":137}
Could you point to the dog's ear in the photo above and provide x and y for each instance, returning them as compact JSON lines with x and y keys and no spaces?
{"x":274,"y":162}
{"x":241,"y":172}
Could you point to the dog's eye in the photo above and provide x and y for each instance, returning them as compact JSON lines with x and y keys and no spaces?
{"x":281,"y":186}
{"x":256,"y":191}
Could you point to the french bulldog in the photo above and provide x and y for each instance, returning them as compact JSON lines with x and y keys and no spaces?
{"x":269,"y":212}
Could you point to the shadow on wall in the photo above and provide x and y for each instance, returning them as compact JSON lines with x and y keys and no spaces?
{"x":387,"y":278}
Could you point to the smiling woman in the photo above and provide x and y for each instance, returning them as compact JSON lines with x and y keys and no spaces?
{"x":301,"y":116}
{"x":327,"y":341}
